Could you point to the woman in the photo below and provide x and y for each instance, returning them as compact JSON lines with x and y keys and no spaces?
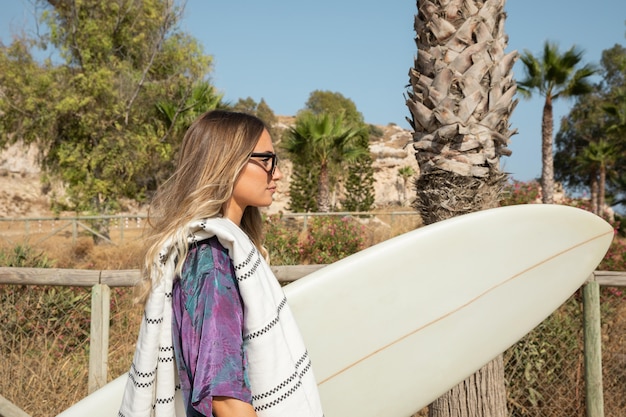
{"x":214,"y":307}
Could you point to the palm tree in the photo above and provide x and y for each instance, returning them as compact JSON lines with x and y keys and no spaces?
{"x":553,"y":76}
{"x":597,"y":158}
{"x":460,"y":99}
{"x":325,"y":141}
{"x":405,"y":173}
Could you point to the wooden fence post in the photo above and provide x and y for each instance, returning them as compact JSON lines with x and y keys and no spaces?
{"x":8,"y":409}
{"x":74,"y":232}
{"x":99,"y":337}
{"x":593,"y":349}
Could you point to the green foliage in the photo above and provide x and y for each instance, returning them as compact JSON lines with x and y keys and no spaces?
{"x":590,"y":145}
{"x":519,"y":192}
{"x":24,"y":256}
{"x":331,"y":238}
{"x":375,"y":131}
{"x":326,"y":240}
{"x":555,"y":74}
{"x":328,"y":102}
{"x":261,"y":110}
{"x":406,"y":173}
{"x":96,"y":115}
{"x":321,"y":142}
{"x":615,"y":258}
{"x":539,"y":362}
{"x":178,"y":115}
{"x":359,"y":186}
{"x":357,"y":170}
{"x":304,"y":186}
{"x":281,"y":241}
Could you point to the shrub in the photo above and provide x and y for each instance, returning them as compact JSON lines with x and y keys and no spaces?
{"x":545,"y":361}
{"x":24,"y":256}
{"x":330,"y":239}
{"x":518,"y":192}
{"x":281,"y":241}
{"x":615,"y":258}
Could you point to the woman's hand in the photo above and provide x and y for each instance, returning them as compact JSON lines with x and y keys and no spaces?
{"x":232,"y":407}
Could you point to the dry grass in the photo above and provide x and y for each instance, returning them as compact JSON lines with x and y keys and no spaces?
{"x":386,"y":225}
{"x":38,"y":374}
{"x":43,"y":380}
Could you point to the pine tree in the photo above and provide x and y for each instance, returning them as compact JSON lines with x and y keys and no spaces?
{"x":359,"y":186}
{"x":304,"y":186}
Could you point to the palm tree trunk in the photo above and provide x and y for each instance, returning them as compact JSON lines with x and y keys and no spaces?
{"x":442,"y":195}
{"x":547,"y":157}
{"x":461,"y":98}
{"x":323,"y":196}
{"x":469,"y":391}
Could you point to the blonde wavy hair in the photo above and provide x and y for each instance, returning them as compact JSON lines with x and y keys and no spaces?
{"x":215,"y":149}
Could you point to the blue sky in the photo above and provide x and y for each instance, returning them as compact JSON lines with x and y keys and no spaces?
{"x":282,"y":50}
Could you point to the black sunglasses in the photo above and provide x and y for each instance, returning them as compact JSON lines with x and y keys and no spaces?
{"x":266,"y":157}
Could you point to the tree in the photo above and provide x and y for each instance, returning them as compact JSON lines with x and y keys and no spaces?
{"x":325,"y":141}
{"x":328,"y":102}
{"x":460,"y":99}
{"x":584,"y":125}
{"x":93,"y":114}
{"x":591,"y":141}
{"x":553,"y":76}
{"x":304,"y":185}
{"x":614,"y":75}
{"x":599,"y":157}
{"x":261,"y":110}
{"x":359,"y":186}
{"x":176,"y":115}
{"x":405,"y":172}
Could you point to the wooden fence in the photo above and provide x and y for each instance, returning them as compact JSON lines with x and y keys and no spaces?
{"x":102,"y":281}
{"x":121,"y":225}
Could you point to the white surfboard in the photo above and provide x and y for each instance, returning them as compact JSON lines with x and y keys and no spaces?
{"x":393,"y":327}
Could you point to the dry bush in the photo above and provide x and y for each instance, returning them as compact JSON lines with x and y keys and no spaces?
{"x":84,"y":254}
{"x":387,"y":225}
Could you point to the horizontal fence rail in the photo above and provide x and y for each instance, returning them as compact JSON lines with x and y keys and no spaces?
{"x":114,"y":278}
{"x":130,"y":277}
